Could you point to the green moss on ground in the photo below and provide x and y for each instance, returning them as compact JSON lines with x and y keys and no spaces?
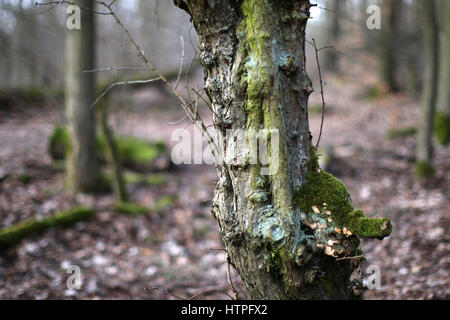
{"x":152,"y":179}
{"x":373,"y":92}
{"x":12,"y":235}
{"x":323,"y":190}
{"x":133,"y":152}
{"x":400,"y":133}
{"x":129,"y":208}
{"x":442,"y":128}
{"x":28,"y":95}
{"x":423,"y":170}
{"x":164,"y":202}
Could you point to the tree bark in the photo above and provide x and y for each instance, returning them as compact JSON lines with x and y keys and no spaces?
{"x":442,"y":117}
{"x":334,"y":34}
{"x":389,"y":42}
{"x":430,"y":31}
{"x":82,"y":165}
{"x":253,"y":55}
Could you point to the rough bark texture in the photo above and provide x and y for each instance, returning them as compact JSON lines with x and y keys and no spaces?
{"x":442,"y":117}
{"x":253,"y":54}
{"x":424,"y":148}
{"x":82,"y":166}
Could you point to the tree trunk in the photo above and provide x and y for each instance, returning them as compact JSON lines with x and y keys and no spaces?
{"x":442,"y":117}
{"x":334,"y":33}
{"x":424,"y":148}
{"x":81,"y":163}
{"x":253,"y":54}
{"x":112,"y":155}
{"x":390,"y":29}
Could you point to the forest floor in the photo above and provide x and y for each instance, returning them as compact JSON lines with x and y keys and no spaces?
{"x":178,"y":250}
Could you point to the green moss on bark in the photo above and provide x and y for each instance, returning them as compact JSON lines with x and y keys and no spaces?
{"x":442,"y":128}
{"x":59,"y":143}
{"x":14,"y":234}
{"x":322,"y":191}
{"x":424,"y":170}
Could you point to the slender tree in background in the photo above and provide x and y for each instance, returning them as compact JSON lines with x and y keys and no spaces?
{"x":389,"y":42}
{"x":82,"y":165}
{"x":284,"y":233}
{"x":442,"y":117}
{"x":334,"y":33}
{"x":424,"y":149}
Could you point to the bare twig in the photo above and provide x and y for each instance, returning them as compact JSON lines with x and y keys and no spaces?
{"x":193,"y":117}
{"x":321,"y":92}
{"x":113,"y":69}
{"x":192,"y":297}
{"x":121,"y":83}
{"x":181,"y":62}
{"x":179,"y":121}
{"x":56,"y":3}
{"x":230,"y":281}
{"x":349,"y":258}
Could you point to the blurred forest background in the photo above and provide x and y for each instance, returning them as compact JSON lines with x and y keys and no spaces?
{"x":385,"y":136}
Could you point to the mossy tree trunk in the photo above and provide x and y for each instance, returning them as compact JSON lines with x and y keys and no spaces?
{"x":424,"y":149}
{"x":82,"y":166}
{"x":253,"y":54}
{"x":389,"y":42}
{"x":442,"y":117}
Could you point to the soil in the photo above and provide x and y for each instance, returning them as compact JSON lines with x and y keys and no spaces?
{"x":177,"y":252}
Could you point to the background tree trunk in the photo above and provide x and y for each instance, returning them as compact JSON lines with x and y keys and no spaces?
{"x":81,"y":163}
{"x":389,"y":41}
{"x":334,"y":33}
{"x":442,"y":117}
{"x":424,"y":148}
{"x":253,"y":54}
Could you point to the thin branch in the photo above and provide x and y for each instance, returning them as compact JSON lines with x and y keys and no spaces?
{"x":192,"y":297}
{"x":179,"y":121}
{"x":349,"y":258}
{"x":321,"y":93}
{"x":230,"y":281}
{"x":37,"y":3}
{"x":193,"y":117}
{"x":181,"y":62}
{"x":121,"y":83}
{"x":113,"y":69}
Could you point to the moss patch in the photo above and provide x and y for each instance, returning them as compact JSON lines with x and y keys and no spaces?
{"x":423,"y":170}
{"x":442,"y":128}
{"x":14,"y":234}
{"x":28,"y":95}
{"x":400,"y":133}
{"x":323,"y":190}
{"x":59,"y":143}
{"x":373,"y":92}
{"x":133,"y":152}
{"x":164,"y":203}
{"x":131,"y":208}
{"x":151,"y":179}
